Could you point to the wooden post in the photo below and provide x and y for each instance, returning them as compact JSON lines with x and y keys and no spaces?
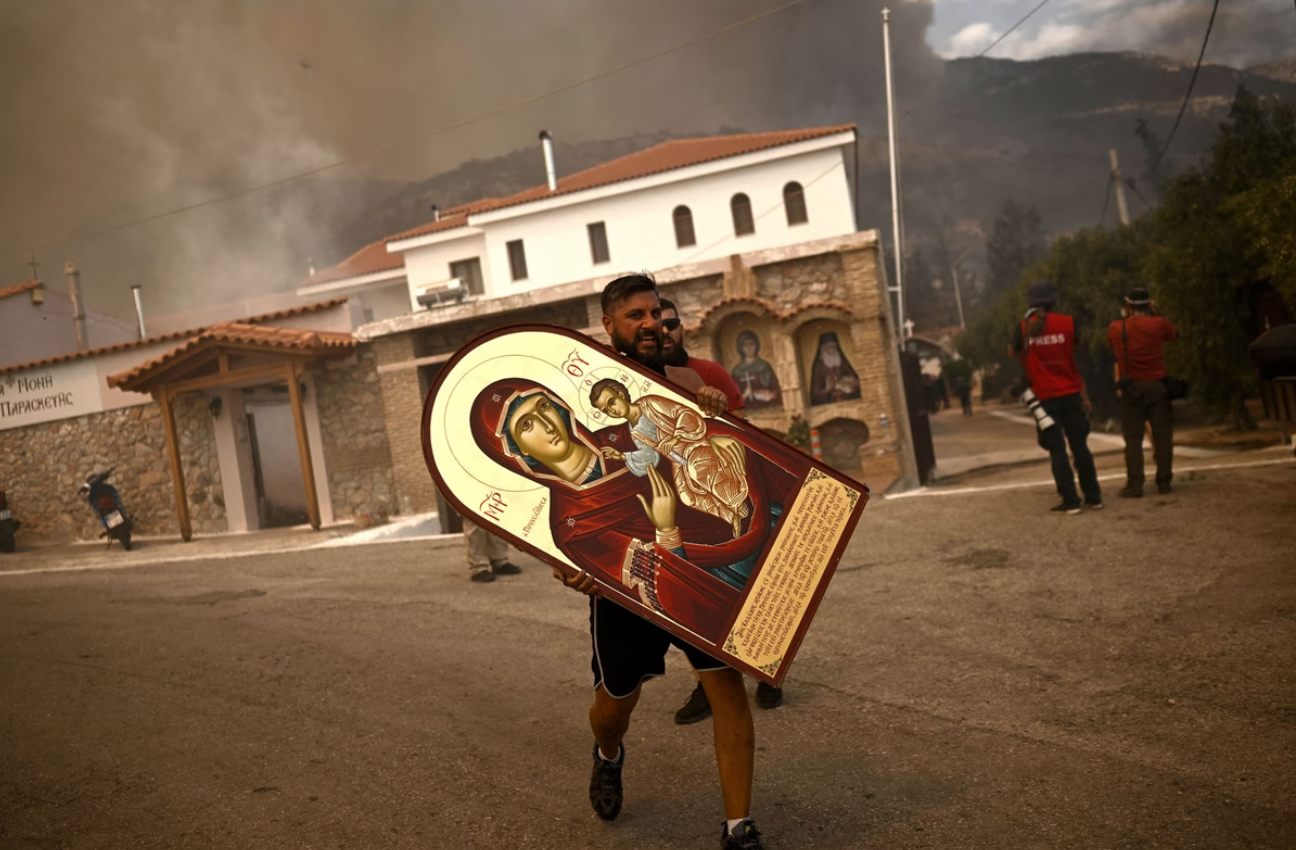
{"x":177,"y":471}
{"x":303,"y":447}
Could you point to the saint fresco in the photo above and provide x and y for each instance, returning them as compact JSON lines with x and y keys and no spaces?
{"x":755,"y":376}
{"x":832,"y":378}
{"x":714,"y":530}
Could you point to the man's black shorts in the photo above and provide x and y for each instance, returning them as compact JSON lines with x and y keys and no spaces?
{"x":628,"y":649}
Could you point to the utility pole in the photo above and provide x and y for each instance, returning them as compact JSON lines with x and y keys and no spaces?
{"x":1120,"y":187}
{"x":958,"y":297}
{"x":898,"y":234}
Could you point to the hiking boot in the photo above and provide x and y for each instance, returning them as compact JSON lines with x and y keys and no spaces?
{"x":696,"y":707}
{"x":506,"y":569}
{"x":768,"y":696}
{"x":1164,"y":489}
{"x":1130,"y":491}
{"x":605,"y":785}
{"x":1066,"y":508}
{"x":747,"y":837}
{"x":482,"y":576}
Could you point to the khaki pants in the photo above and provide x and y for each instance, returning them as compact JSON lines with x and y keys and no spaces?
{"x":485,"y":550}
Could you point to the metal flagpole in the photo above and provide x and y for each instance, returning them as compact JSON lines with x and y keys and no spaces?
{"x":898,"y":288}
{"x":958,"y":297}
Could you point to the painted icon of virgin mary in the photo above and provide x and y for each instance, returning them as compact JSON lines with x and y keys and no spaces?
{"x":632,"y":531}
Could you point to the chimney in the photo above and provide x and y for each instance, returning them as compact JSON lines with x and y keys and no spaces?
{"x":38,"y":293}
{"x":547,"y":141}
{"x":78,"y":304}
{"x":139,"y":311}
{"x":436,"y":213}
{"x":310,"y":266}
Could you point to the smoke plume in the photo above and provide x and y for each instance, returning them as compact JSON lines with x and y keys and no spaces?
{"x":117,"y":111}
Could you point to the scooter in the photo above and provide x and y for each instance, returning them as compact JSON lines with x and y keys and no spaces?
{"x":8,"y":525}
{"x":107,"y":505}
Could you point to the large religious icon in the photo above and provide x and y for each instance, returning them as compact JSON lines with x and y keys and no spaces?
{"x":832,"y":378}
{"x":712,"y":529}
{"x":755,"y":375}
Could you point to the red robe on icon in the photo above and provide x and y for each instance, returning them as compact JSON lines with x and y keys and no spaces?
{"x":601,"y":526}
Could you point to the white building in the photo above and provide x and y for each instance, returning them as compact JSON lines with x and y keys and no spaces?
{"x":679,"y":202}
{"x":37,"y":322}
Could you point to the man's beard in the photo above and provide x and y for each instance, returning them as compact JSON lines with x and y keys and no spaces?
{"x":629,"y":347}
{"x":677,"y":356}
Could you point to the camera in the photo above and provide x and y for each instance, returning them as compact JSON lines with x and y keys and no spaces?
{"x":1023,"y":391}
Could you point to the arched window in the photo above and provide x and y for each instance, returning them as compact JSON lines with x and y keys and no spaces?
{"x":740,"y":205}
{"x":684,"y":236}
{"x":794,"y":203}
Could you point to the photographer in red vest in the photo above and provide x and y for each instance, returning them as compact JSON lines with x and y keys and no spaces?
{"x":1045,"y":342}
{"x":1138,"y":340}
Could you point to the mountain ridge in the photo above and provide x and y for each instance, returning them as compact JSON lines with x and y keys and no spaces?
{"x":1036,"y":131}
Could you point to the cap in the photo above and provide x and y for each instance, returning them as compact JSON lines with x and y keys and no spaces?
{"x":1041,"y":294}
{"x":1138,"y":297}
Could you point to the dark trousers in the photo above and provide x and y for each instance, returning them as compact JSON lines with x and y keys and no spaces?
{"x":1143,"y":402}
{"x":1073,"y":424}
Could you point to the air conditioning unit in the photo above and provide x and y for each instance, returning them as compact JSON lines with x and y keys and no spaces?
{"x":439,"y":294}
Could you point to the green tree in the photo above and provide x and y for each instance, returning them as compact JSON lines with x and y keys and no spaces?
{"x":929,"y":300}
{"x":1093,"y":269}
{"x":1217,"y":242}
{"x":1017,"y":240}
{"x":1267,"y":215}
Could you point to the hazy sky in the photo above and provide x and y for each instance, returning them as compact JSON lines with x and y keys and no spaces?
{"x":1246,"y":32}
{"x":121,"y":109}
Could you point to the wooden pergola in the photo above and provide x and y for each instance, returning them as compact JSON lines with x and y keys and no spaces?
{"x":232,"y":355}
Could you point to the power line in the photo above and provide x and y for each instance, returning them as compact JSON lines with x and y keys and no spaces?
{"x":457,"y":125}
{"x":992,"y":46}
{"x":1015,"y":26}
{"x":1191,"y":83}
{"x":1129,"y":181}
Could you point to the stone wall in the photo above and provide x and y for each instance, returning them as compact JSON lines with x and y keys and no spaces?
{"x":357,"y":452}
{"x":402,"y":409}
{"x":43,"y":465}
{"x":443,"y":339}
{"x":806,"y":280}
{"x":788,"y":302}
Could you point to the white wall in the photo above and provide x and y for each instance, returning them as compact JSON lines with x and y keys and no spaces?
{"x":431,"y":263}
{"x":31,"y":332}
{"x":641,"y":228}
{"x":230,"y":311}
{"x":82,"y":384}
{"x":384,"y":302}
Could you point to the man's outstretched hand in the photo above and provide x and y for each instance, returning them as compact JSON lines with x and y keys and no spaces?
{"x":582,"y":581}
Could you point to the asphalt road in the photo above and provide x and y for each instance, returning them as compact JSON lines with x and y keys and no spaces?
{"x":982,"y":674}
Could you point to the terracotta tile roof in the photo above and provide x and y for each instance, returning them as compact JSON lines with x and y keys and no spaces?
{"x":669,"y":156}
{"x":242,"y":333}
{"x":152,"y":340}
{"x":18,"y":289}
{"x":450,"y":219}
{"x":368,"y":260}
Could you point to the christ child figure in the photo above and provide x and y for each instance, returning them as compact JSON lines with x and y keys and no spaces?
{"x":707,"y":476}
